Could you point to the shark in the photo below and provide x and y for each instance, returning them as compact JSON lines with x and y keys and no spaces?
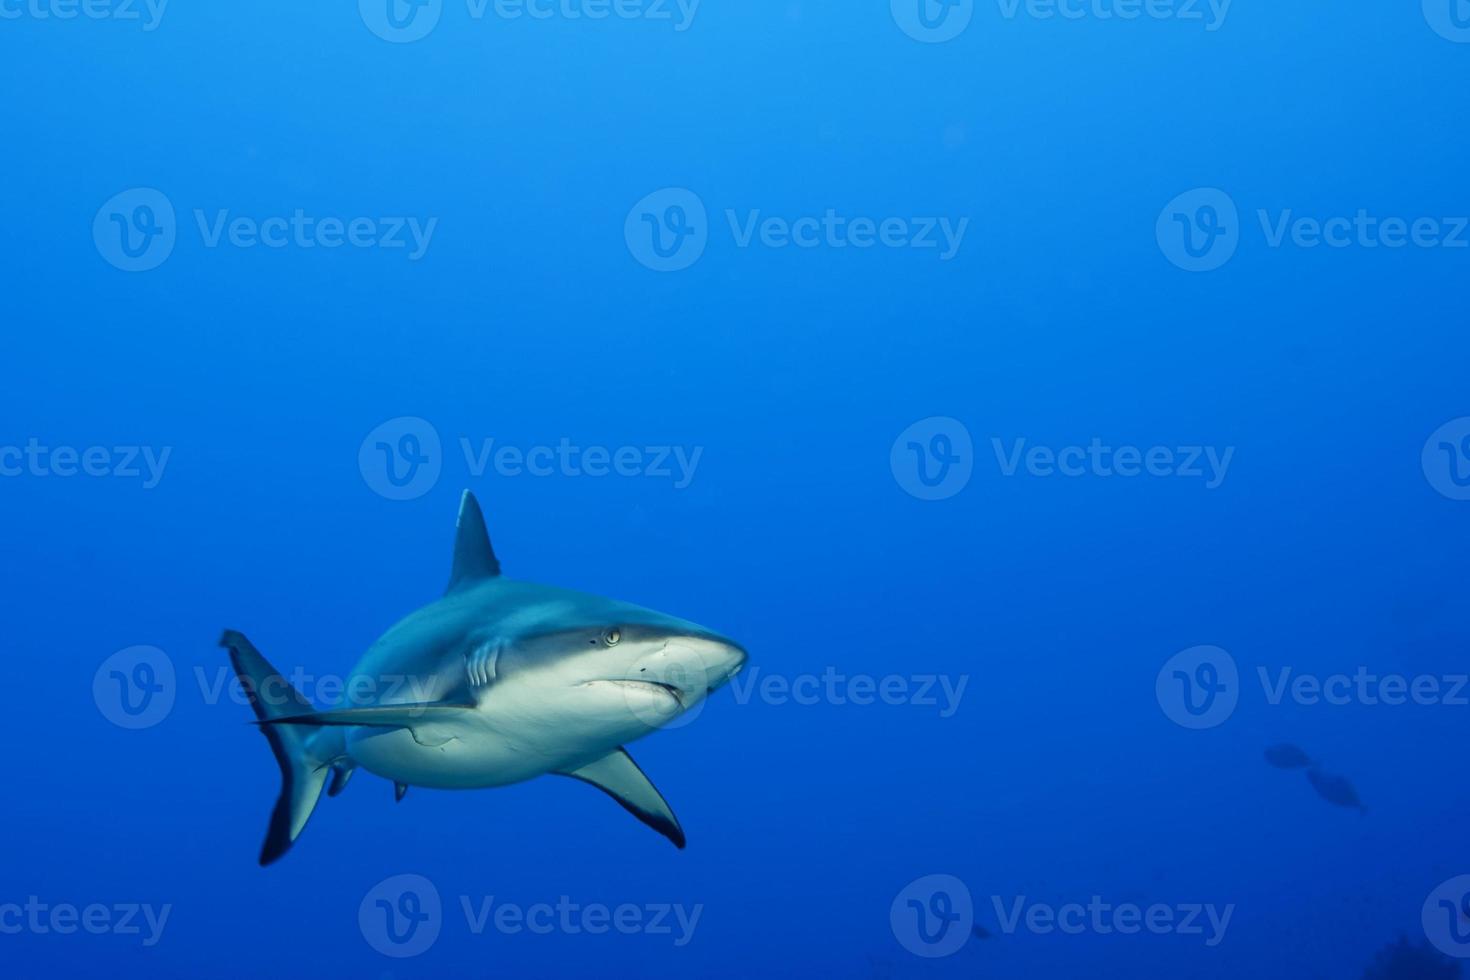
{"x":497,"y":682}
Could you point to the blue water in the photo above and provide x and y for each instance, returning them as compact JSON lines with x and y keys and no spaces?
{"x":594,"y":268}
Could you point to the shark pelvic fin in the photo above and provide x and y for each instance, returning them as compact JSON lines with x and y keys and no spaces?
{"x":399,"y":791}
{"x":617,"y":775}
{"x":340,"y":774}
{"x":474,"y":558}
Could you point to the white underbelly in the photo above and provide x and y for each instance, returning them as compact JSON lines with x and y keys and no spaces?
{"x":443,"y":758}
{"x":467,"y":755}
{"x":516,"y":733}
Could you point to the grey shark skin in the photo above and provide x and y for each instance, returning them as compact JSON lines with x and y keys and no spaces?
{"x":498,"y":682}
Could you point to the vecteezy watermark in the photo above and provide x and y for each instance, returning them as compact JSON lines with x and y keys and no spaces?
{"x":403,"y":458}
{"x":937,"y":21}
{"x":933,"y":21}
{"x":1446,"y":459}
{"x":1097,"y":459}
{"x":1200,"y":230}
{"x":137,"y":230}
{"x":933,"y":459}
{"x":831,"y":687}
{"x":570,"y":918}
{"x":282,"y":690}
{"x":148,"y":13}
{"x":836,"y":231}
{"x":1446,"y":917}
{"x":135,"y":688}
{"x":1201,"y":688}
{"x":1450,"y":19}
{"x":139,"y":687}
{"x":668,"y":231}
{"x":401,"y":21}
{"x":1363,"y":686}
{"x":303,"y":231}
{"x":1101,"y":918}
{"x":403,"y":916}
{"x":1362,"y":230}
{"x":932,"y":916}
{"x":675,"y":463}
{"x":404,"y":21}
{"x":1209,"y":13}
{"x":39,"y":918}
{"x":36,"y":459}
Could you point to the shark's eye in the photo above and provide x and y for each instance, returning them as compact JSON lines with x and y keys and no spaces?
{"x":612,"y":637}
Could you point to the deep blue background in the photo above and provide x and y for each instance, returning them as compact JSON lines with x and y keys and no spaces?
{"x":529,"y":321}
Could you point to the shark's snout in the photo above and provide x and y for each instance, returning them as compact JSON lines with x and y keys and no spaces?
{"x":695,"y":664}
{"x":735,"y":659}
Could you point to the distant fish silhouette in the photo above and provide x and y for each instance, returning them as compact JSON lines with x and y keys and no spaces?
{"x":980,"y":932}
{"x":1402,"y":961}
{"x":882,"y":967}
{"x":1286,"y":756}
{"x":1335,"y":790}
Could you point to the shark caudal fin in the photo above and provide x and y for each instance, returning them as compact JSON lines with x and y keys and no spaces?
{"x":302,"y":774}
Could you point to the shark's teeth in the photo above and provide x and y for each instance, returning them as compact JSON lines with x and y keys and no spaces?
{"x":644,"y":684}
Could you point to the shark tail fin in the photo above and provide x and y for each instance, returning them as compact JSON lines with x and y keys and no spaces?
{"x":302,"y":774}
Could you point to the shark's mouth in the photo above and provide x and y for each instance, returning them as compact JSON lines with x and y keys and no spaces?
{"x":633,"y":685}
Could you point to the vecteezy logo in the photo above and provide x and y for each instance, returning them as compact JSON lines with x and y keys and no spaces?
{"x":401,"y":458}
{"x":656,"y":703}
{"x":1199,"y":687}
{"x":134,"y":688}
{"x":668,"y":230}
{"x":933,"y":458}
{"x":400,"y":21}
{"x":401,"y":916}
{"x":933,"y":21}
{"x":1449,"y":18}
{"x":932,"y":916}
{"x":1446,"y":459}
{"x":1199,"y":230}
{"x":1446,"y":917}
{"x":135,"y":230}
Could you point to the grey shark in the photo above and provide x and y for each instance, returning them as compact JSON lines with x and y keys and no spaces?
{"x":497,"y":682}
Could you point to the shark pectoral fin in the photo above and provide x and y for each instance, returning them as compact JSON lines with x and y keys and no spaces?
{"x":378,"y":716}
{"x":429,"y":723}
{"x":618,"y":776}
{"x":399,"y":790}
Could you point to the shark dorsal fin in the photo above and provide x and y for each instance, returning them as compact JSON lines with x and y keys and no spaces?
{"x":474,"y":559}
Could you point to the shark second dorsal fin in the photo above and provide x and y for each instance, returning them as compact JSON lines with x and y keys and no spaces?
{"x":474,"y":559}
